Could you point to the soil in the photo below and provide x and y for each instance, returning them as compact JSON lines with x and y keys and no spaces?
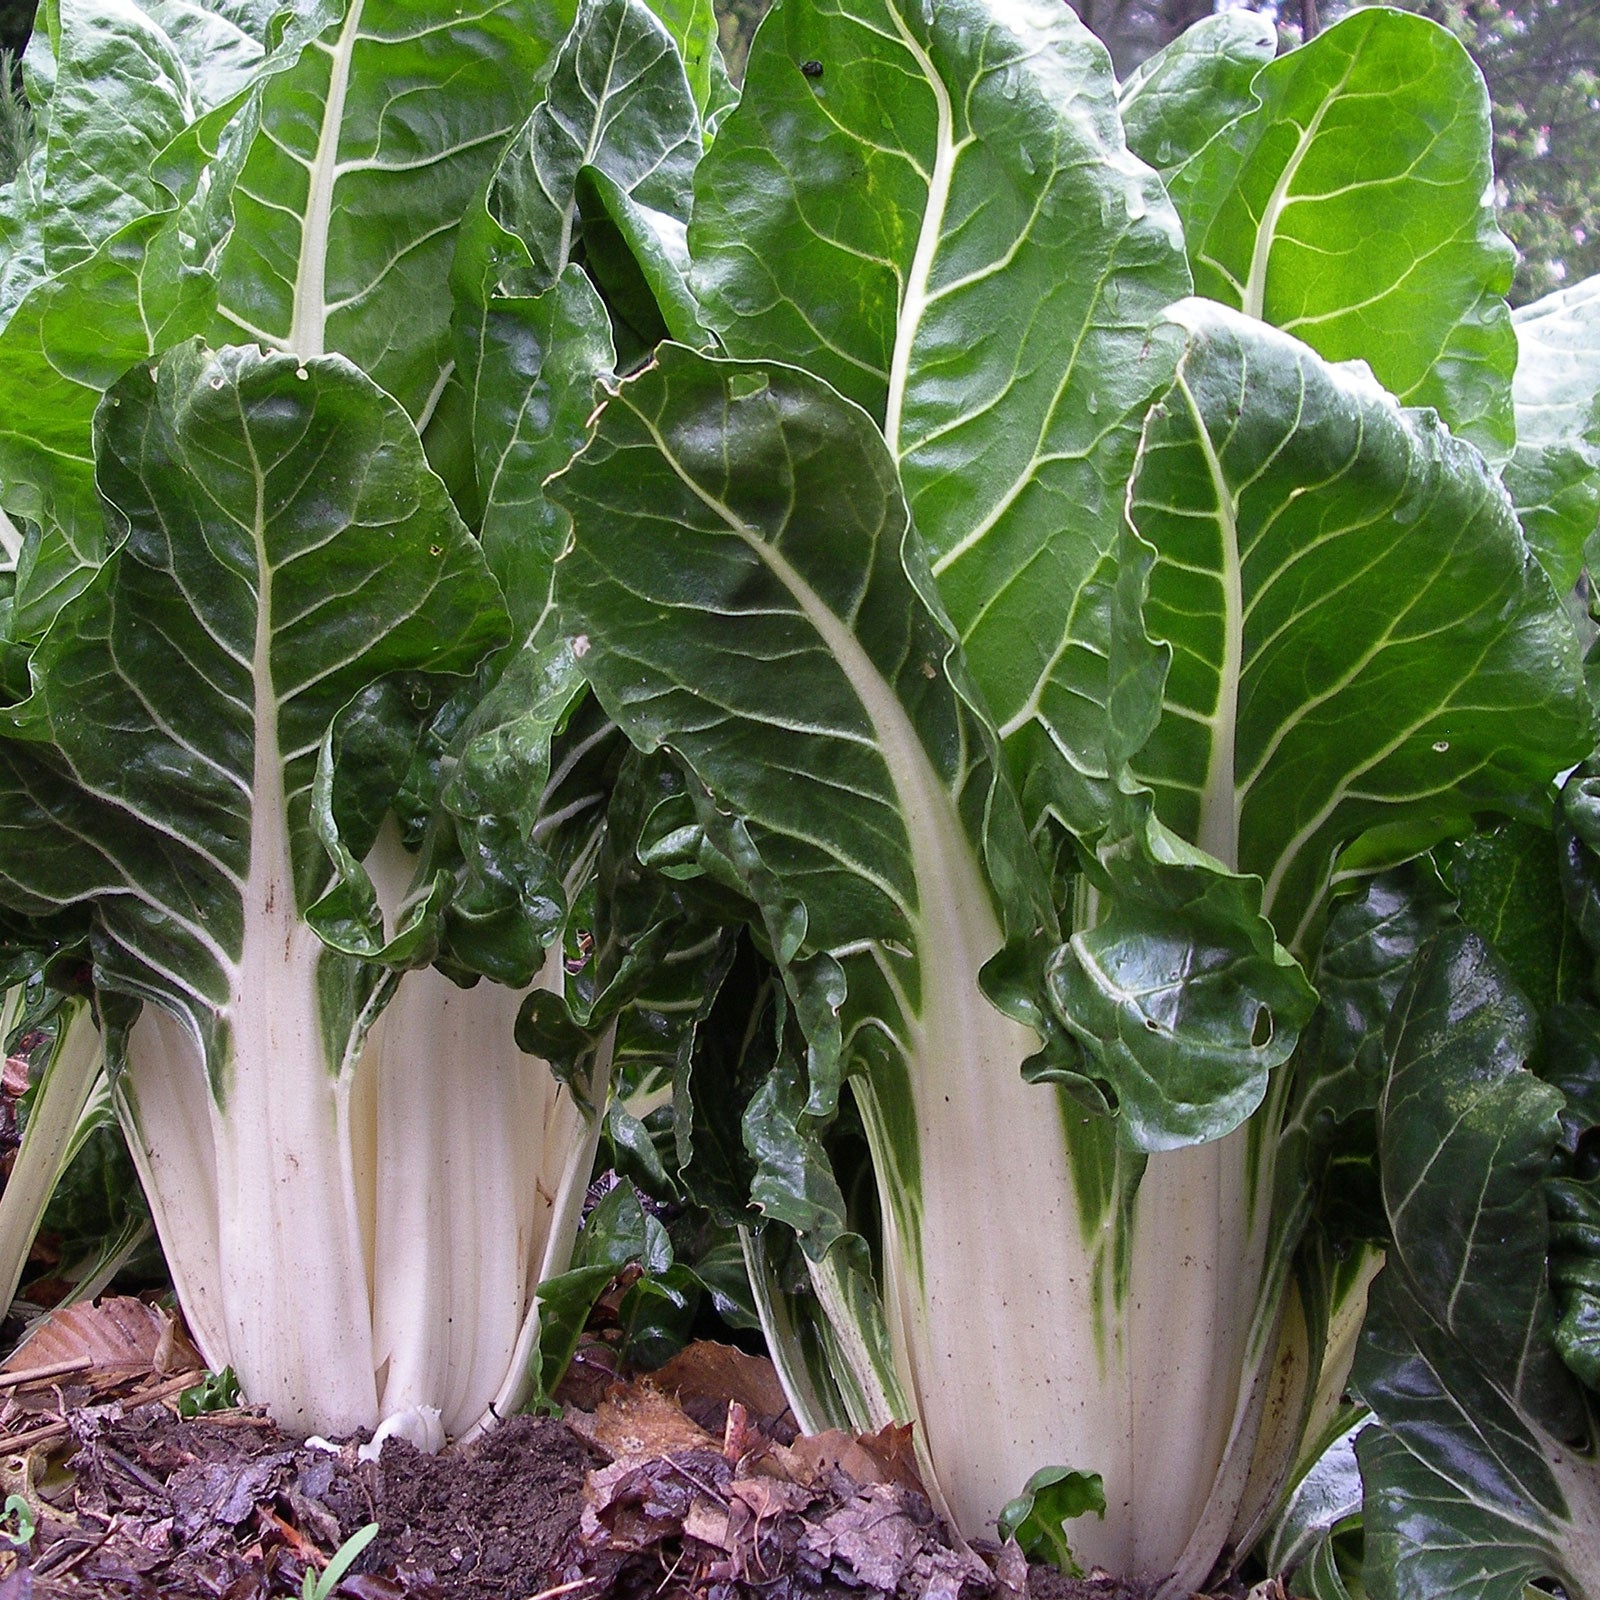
{"x":229,"y":1509}
{"x":691,"y":1485}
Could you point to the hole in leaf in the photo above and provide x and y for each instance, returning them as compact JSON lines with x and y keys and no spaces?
{"x":1261,"y":1034}
{"x":746,"y":385}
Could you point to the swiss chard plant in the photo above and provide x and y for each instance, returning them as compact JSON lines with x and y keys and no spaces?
{"x":991,"y":705}
{"x":290,"y":756}
{"x":1218,"y":660}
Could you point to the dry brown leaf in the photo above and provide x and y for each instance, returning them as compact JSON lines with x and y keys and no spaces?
{"x":894,"y":1448}
{"x":740,"y":1436}
{"x":817,"y":1456}
{"x":119,"y":1334}
{"x":771,"y":1497}
{"x":636,"y":1422}
{"x":709,"y":1523}
{"x":706,"y":1370}
{"x":869,"y":1536}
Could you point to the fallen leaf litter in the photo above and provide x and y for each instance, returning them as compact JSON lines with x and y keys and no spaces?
{"x":691,"y":1485}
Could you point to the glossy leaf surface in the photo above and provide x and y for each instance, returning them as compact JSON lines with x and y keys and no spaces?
{"x":1178,"y":100}
{"x":255,"y":485}
{"x":357,"y":162}
{"x":1354,"y":210}
{"x":68,"y":342}
{"x":1347,"y":624}
{"x":991,"y":307}
{"x":1554,"y":474}
{"x":1469,"y":1485}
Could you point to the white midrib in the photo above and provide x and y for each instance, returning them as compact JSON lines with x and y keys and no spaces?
{"x":293,"y":1265}
{"x":1218,"y":830}
{"x":914,"y":302}
{"x":590,"y":149}
{"x":1255,"y":284}
{"x":308,"y":325}
{"x":1580,"y":1540}
{"x":10,"y":538}
{"x":962,"y":932}
{"x":964,"y":1053}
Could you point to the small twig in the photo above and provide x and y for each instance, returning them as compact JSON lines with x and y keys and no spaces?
{"x":562,"y":1588}
{"x":704,"y":1488}
{"x":165,"y":1391}
{"x":59,"y":1428}
{"x":43,"y":1569}
{"x":672,"y":1571}
{"x":133,"y":1469}
{"x":56,"y":1369}
{"x":26,"y":1441}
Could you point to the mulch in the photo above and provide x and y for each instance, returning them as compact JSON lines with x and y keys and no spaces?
{"x":692,"y":1485}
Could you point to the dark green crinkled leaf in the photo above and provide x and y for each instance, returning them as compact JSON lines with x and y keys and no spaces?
{"x":1177,"y":101}
{"x":1569,"y":1058}
{"x":1325,"y":1501}
{"x":533,"y":333}
{"x":617,"y":100}
{"x":533,"y":364}
{"x":1330,"y":1126}
{"x":1460,"y":1104}
{"x":1179,"y":994}
{"x":1355,"y":210}
{"x":1471,"y":1488}
{"x":1575,"y":1274}
{"x":991,"y":306}
{"x":1509,"y":890}
{"x":1345,"y":628}
{"x":1461,"y":1497}
{"x":639,"y":258}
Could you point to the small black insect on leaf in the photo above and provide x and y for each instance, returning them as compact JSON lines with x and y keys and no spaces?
{"x":812,"y":69}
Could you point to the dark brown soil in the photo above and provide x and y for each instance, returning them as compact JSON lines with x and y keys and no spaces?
{"x":230,"y":1508}
{"x":495,"y":1520}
